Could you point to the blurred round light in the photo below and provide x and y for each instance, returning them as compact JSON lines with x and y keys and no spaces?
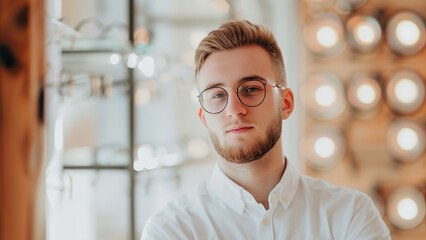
{"x":115,"y":58}
{"x":325,"y":36}
{"x":147,"y":66}
{"x":325,"y":147}
{"x":364,"y":32}
{"x":405,"y":140}
{"x":324,"y":95}
{"x":406,"y":33}
{"x":145,"y":158}
{"x":405,"y":207}
{"x":405,"y":91}
{"x":132,"y":60}
{"x":364,"y":93}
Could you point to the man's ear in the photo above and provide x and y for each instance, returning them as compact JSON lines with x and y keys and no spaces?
{"x":201,"y":116}
{"x":288,"y":103}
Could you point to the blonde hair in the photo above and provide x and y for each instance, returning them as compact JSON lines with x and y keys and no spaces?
{"x":238,"y":34}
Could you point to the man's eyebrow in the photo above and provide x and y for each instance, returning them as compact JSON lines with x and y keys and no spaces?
{"x":251,"y":77}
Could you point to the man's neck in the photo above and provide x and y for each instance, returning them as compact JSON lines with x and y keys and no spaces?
{"x":258,"y":177}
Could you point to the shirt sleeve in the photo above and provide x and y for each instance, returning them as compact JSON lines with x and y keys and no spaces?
{"x":152,"y":231}
{"x":366,"y":223}
{"x":161,"y":228}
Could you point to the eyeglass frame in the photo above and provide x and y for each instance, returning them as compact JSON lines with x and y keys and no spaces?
{"x":264,"y":82}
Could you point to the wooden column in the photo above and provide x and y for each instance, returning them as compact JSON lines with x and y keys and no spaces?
{"x":21,"y":119}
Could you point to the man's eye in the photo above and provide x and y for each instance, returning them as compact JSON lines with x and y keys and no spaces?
{"x":252,"y":89}
{"x":219,"y":95}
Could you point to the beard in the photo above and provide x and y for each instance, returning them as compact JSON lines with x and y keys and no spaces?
{"x":250,"y":154}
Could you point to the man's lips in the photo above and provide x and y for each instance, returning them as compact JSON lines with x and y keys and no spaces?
{"x":238,"y":129}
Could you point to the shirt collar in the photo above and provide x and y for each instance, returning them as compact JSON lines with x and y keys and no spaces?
{"x":233,"y":194}
{"x":288,"y":185}
{"x":226,"y":189}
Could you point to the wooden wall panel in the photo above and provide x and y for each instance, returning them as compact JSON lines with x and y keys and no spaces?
{"x":367,"y":165}
{"x":21,"y":119}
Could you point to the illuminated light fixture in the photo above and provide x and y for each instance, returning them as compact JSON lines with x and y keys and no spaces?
{"x":145,"y":159}
{"x":405,"y":140}
{"x":364,"y":93}
{"x":405,"y":91}
{"x":406,"y":33}
{"x":364,"y":33}
{"x":405,"y":207}
{"x":325,"y":36}
{"x":324,"y":95}
{"x":115,"y":58}
{"x":132,"y":60}
{"x":147,"y":66}
{"x":325,"y":147}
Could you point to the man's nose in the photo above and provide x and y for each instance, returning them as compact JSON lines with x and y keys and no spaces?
{"x":235,"y":107}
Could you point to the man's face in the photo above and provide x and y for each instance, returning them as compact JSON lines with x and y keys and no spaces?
{"x":239,"y":133}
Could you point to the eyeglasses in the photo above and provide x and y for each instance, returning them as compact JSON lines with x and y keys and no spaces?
{"x":251,"y":93}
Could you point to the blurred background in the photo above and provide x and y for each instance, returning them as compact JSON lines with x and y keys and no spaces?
{"x":122,"y":133}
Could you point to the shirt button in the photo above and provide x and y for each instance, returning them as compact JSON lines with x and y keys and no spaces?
{"x":265,"y":221}
{"x":284,"y":200}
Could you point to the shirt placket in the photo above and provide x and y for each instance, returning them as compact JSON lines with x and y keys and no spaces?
{"x":266,"y":225}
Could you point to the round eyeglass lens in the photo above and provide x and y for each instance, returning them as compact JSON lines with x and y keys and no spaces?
{"x":214,"y":100}
{"x":251,"y":93}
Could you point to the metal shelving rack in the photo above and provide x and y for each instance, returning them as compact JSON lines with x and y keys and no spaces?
{"x":131,"y":129}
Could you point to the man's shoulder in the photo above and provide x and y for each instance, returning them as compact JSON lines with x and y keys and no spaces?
{"x":321,"y":188}
{"x":175,"y":220}
{"x":183,"y":204}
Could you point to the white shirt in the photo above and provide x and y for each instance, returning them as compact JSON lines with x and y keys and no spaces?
{"x":301,"y":207}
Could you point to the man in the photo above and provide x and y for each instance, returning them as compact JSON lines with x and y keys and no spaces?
{"x":253,"y":192}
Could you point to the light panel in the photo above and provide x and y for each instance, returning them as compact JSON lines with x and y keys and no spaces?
{"x":324,"y":95}
{"x":325,"y":36}
{"x":325,"y":147}
{"x":364,"y":33}
{"x":364,"y":93}
{"x":406,"y":33}
{"x":405,"y":207}
{"x":405,"y":91}
{"x":405,"y":140}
